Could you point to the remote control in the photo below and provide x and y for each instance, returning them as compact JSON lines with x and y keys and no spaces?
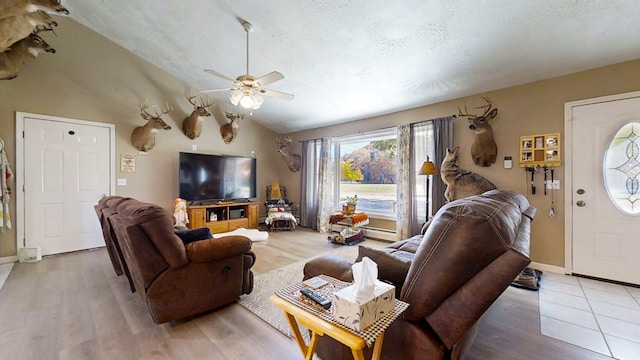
{"x":317,"y":298}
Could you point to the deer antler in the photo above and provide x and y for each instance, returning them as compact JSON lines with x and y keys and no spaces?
{"x":164,"y":111}
{"x":487,"y":108}
{"x":208,"y":103}
{"x":190,"y":98}
{"x":143,"y":109}
{"x":145,"y":114}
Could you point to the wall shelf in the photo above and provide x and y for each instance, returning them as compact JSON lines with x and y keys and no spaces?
{"x":540,"y":150}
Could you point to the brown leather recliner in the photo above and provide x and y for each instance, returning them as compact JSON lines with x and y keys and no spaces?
{"x":173,"y":279}
{"x":471,"y":251}
{"x":104,"y":209}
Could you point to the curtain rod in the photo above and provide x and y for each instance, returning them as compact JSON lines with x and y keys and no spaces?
{"x":382,"y":128}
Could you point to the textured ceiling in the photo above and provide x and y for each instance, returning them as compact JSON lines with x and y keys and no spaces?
{"x":348,"y":60}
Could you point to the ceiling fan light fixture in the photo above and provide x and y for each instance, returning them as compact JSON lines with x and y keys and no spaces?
{"x":246,"y":98}
{"x":236,"y":95}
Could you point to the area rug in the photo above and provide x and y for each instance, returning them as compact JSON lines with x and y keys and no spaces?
{"x":253,"y":234}
{"x":265,"y":285}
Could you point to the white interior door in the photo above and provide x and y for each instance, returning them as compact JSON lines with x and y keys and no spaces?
{"x":605,"y":230}
{"x":67,"y":169}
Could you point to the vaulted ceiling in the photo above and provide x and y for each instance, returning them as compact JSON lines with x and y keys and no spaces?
{"x":349,"y":60}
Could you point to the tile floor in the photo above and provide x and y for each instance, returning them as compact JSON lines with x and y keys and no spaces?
{"x":595,"y":315}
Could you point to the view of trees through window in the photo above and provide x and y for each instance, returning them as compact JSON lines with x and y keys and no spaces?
{"x":368,"y":168}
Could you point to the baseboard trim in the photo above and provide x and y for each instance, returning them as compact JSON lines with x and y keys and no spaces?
{"x":546,"y":267}
{"x":380,"y":234}
{"x":8,"y":259}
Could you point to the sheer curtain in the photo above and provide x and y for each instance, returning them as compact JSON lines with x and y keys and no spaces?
{"x":310,"y":183}
{"x":404,"y":184}
{"x":315,"y":206}
{"x":415,"y":142}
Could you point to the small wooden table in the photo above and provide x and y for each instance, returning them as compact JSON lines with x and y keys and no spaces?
{"x":300,"y":310}
{"x":320,"y":327}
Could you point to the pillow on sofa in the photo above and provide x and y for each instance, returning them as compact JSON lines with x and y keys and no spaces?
{"x":390,"y":268}
{"x":191,"y":235}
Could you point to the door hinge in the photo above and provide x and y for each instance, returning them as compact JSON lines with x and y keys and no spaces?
{"x":24,"y":242}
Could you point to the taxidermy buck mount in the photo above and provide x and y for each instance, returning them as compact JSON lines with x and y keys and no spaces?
{"x":484,"y":149}
{"x":20,"y":7}
{"x":293,"y":161}
{"x":143,"y":138}
{"x":229,"y":131}
{"x":21,"y":53}
{"x":192,"y":124}
{"x":16,"y":28}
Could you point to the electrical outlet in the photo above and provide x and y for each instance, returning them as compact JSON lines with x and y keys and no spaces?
{"x":122,"y":182}
{"x":556,"y":184}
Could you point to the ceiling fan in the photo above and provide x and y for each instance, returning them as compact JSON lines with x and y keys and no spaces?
{"x":248,"y":89}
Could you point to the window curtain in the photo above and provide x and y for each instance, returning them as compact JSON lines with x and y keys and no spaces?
{"x":442,"y":139}
{"x":404,"y":184}
{"x":416,"y":142}
{"x":310,"y":183}
{"x":316,"y":184}
{"x":421,"y":146}
{"x":326,"y":189}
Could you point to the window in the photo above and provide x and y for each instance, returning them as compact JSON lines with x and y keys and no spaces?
{"x":366,"y":165}
{"x":622,"y":167}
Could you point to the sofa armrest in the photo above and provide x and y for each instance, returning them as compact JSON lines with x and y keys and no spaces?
{"x":212,"y":249}
{"x":335,"y":267}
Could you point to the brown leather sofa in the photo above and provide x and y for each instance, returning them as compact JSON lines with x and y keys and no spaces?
{"x":173,"y":279}
{"x":470,"y":253}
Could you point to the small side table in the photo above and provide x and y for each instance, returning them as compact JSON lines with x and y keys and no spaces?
{"x":321,"y":324}
{"x":320,"y":327}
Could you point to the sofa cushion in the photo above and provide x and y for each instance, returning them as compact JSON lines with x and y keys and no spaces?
{"x":191,"y":235}
{"x":390,"y":268}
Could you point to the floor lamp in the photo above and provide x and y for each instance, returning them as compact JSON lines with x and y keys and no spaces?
{"x":428,"y":168}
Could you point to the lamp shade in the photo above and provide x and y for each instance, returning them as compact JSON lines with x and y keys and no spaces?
{"x":428,"y":168}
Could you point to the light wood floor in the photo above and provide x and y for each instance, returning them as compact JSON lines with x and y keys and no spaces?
{"x":73,"y":306}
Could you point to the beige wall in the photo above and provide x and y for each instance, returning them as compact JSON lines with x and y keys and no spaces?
{"x":523,"y":110}
{"x":92,"y":78}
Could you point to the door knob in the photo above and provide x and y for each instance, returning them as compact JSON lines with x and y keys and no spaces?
{"x":580,"y":191}
{"x":581,"y":203}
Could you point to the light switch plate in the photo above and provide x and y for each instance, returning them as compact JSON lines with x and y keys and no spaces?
{"x":122,"y":182}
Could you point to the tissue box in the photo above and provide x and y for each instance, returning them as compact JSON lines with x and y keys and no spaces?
{"x":359,"y":314}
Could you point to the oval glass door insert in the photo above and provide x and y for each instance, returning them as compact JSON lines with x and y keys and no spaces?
{"x":622,"y":169}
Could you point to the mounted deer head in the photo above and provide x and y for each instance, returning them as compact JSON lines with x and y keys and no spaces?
{"x":192,"y":124}
{"x":21,"y":53}
{"x":484,"y":149}
{"x":293,"y":161}
{"x":16,"y":28}
{"x":229,"y":131}
{"x":144,"y":137}
{"x":20,"y":7}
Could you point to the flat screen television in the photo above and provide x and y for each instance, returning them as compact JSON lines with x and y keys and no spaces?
{"x":207,"y":178}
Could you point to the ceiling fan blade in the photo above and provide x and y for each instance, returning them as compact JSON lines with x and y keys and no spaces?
{"x":216,"y":90}
{"x":268,"y":79}
{"x":274,"y":93}
{"x":222,"y":76}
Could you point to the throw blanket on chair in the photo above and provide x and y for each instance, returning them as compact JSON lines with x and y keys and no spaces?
{"x":274,"y":216}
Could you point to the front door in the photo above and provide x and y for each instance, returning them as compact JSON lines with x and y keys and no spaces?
{"x":67,"y":169}
{"x":605,"y":241}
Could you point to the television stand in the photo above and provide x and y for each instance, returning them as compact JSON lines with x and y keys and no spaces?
{"x":222,"y":217}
